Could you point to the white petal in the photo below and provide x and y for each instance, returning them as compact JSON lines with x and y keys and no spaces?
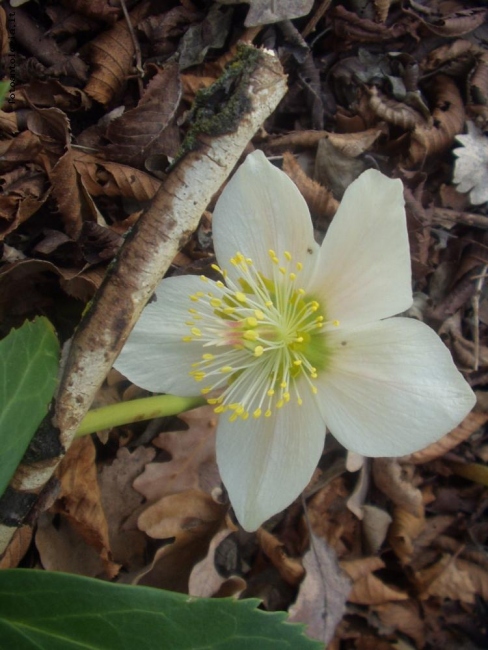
{"x":392,"y":388}
{"x":261,"y":209}
{"x":154,"y":356}
{"x":364,"y":272}
{"x":266,"y":463}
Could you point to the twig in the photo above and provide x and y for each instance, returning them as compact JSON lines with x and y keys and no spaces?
{"x":476,"y":320}
{"x":137,"y":49}
{"x":467,"y":218}
{"x":143,"y":260}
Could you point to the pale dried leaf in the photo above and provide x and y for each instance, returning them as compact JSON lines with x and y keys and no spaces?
{"x":375,"y":527}
{"x":405,"y":528}
{"x":322,"y":596}
{"x":393,"y":481}
{"x":445,"y":579}
{"x":290,"y":569}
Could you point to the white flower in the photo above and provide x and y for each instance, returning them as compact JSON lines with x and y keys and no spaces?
{"x":292,"y":339}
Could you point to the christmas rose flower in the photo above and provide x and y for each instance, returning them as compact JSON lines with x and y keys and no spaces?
{"x":296,"y":337}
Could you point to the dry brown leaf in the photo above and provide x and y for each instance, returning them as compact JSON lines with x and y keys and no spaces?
{"x":393,"y":111}
{"x":143,"y":131}
{"x":455,"y":24}
{"x":290,"y":569}
{"x":25,"y":147}
{"x":404,"y":617}
{"x":121,"y":502}
{"x":8,"y":122}
{"x":105,"y":178}
{"x":447,"y":579}
{"x":206,"y":582}
{"x":62,"y":548}
{"x":335,"y":169}
{"x":51,"y":93}
{"x":111,"y":53}
{"x":320,"y":200}
{"x":404,"y":529}
{"x":392,"y":479}
{"x":448,"y":115}
{"x":478,"y":575}
{"x":192,"y":518}
{"x":355,"y":144}
{"x":381,"y":9}
{"x":193,"y":462}
{"x":322,"y":595}
{"x":79,"y":501}
{"x":471,"y":423}
{"x":367,"y":589}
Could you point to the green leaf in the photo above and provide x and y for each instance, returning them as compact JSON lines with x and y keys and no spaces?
{"x":55,"y":611}
{"x":29,"y":359}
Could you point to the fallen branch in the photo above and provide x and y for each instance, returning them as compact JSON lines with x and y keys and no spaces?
{"x":143,"y":260}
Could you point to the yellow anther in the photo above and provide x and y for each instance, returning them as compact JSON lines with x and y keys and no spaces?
{"x":208,"y":357}
{"x":205,"y":391}
{"x":226,"y":369}
{"x":245,"y":415}
{"x":215,"y":302}
{"x":271,"y":253}
{"x":287,"y":254}
{"x":220,"y":284}
{"x":297,"y":362}
{"x":259,"y":314}
{"x":203,"y":278}
{"x":336,"y":323}
{"x":199,"y":376}
{"x":279,"y":404}
{"x":314,"y":390}
{"x":249,"y":261}
{"x":233,"y":417}
{"x":241,"y":297}
{"x":270,"y":392}
{"x":251,"y":321}
{"x":187,"y":339}
{"x":283,"y":384}
{"x":257,"y":413}
{"x":269,"y":303}
{"x":194,"y":298}
{"x":301,"y":292}
{"x":250,"y":335}
{"x":233,"y":261}
{"x":192,"y":311}
{"x":258,"y":350}
{"x":286,"y":397}
{"x":299,"y":339}
{"x":216,"y":267}
{"x":292,"y":276}
{"x":219,"y":409}
{"x":189,"y":323}
{"x":299,"y":266}
{"x":195,"y":331}
{"x":228,"y":311}
{"x":282,"y":270}
{"x":213,"y":400}
{"x":240,"y":409}
{"x":267,"y":414}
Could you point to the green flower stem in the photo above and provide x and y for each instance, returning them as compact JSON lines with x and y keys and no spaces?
{"x":136,"y":410}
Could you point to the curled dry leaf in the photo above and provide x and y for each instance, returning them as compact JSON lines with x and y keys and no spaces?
{"x":353,"y":145}
{"x":351,"y":26}
{"x":471,"y":423}
{"x":290,"y":569}
{"x":105,"y":178}
{"x":455,"y":24}
{"x":394,"y":112}
{"x":367,"y":589}
{"x":206,"y":582}
{"x":51,"y":93}
{"x":143,"y":131}
{"x":192,"y":518}
{"x":448,"y":115}
{"x":395,"y":483}
{"x":320,"y":200}
{"x":111,"y":54}
{"x":79,"y":501}
{"x":375,"y":527}
{"x":381,"y":9}
{"x":322,"y":596}
{"x":404,"y":529}
{"x":192,"y":463}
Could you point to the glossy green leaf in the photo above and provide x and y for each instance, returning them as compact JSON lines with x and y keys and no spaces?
{"x":29,"y":360}
{"x":55,"y":611}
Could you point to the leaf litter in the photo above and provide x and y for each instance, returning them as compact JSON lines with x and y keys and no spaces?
{"x":386,"y":554}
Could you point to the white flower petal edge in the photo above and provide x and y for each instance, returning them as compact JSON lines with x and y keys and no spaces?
{"x":392,"y":388}
{"x":155,"y":357}
{"x":261,"y":209}
{"x":265,"y":464}
{"x":364,"y":272}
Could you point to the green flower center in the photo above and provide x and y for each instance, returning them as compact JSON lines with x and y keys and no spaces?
{"x":264,"y":340}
